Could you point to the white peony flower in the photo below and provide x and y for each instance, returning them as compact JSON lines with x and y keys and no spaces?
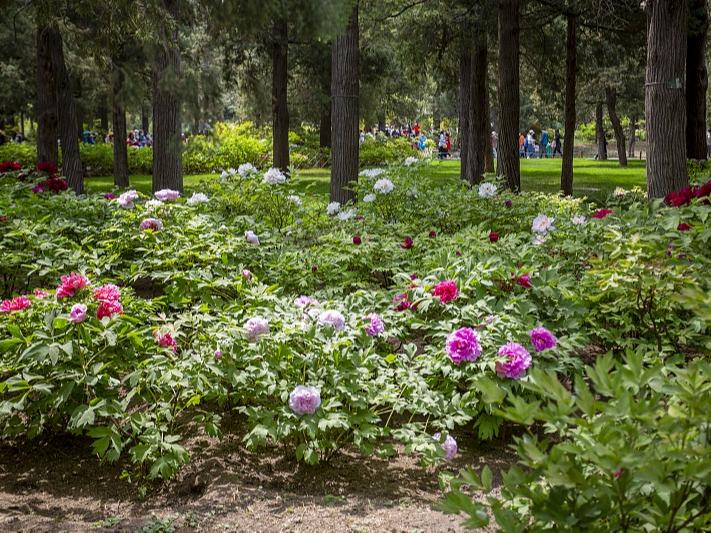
{"x":246,"y":169}
{"x":370,"y":197}
{"x":346,"y":214}
{"x":619,"y":192}
{"x":224,"y":175}
{"x":539,"y":238}
{"x":231,"y":171}
{"x":578,"y":220}
{"x":542,"y":224}
{"x":487,"y":190}
{"x":154,"y":204}
{"x":410,"y":161}
{"x":295,"y":200}
{"x":372,"y":172}
{"x":198,"y":198}
{"x":333,"y":208}
{"x":274,"y":176}
{"x":251,"y":237}
{"x":255,"y":327}
{"x":383,"y":186}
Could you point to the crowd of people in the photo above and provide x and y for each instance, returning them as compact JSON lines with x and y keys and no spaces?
{"x":531,"y":148}
{"x":415,"y":133}
{"x":136,"y":138}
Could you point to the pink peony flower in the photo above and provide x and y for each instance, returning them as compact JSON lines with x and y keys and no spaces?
{"x":16,"y":304}
{"x":542,"y":339}
{"x":517,"y":361}
{"x":152,"y":224}
{"x":493,"y":236}
{"x":305,"y":301}
{"x":376,"y":326}
{"x":109,"y":309}
{"x":78,"y":313}
{"x":218,"y":354}
{"x":446,"y":291}
{"x":167,"y":195}
{"x":524,"y":280}
{"x":165,"y":340}
{"x":463,"y":345}
{"x":246,"y":274}
{"x":107,"y":293}
{"x":406,"y":243}
{"x":70,"y":284}
{"x":255,"y":327}
{"x":602,"y":213}
{"x":449,"y":446}
{"x":304,"y":400}
{"x":40,"y":294}
{"x":332,"y":319}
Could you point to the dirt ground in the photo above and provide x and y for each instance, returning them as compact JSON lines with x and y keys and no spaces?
{"x":58,"y":485}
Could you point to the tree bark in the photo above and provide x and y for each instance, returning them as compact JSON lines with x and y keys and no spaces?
{"x":324,"y":129}
{"x":46,"y":110}
{"x":664,"y":102}
{"x":633,"y":135}
{"x":118,"y":114}
{"x":465,"y":90}
{"x":344,"y":111}
{"x":167,"y":146}
{"x":145,"y":121}
{"x":66,"y":114}
{"x":478,"y":119}
{"x":611,"y":100}
{"x":600,"y":133}
{"x":696,"y":80}
{"x":280,"y":109}
{"x":103,"y":112}
{"x":509,"y":97}
{"x":571,"y":63}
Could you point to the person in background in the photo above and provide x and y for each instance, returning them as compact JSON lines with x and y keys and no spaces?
{"x":530,"y":145}
{"x":422,"y":142}
{"x":521,"y":144}
{"x":557,"y":149}
{"x":448,"y":143}
{"x":544,"y":143}
{"x":442,"y":145}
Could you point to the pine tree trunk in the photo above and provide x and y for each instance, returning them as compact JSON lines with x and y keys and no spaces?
{"x":46,"y":107}
{"x":324,"y":129}
{"x":478,"y":119}
{"x":344,"y":111}
{"x":167,"y":145}
{"x":103,"y":112}
{"x":632,"y":135}
{"x":509,"y":97}
{"x":664,"y":102}
{"x":696,"y":80}
{"x":280,"y":109}
{"x":600,"y":133}
{"x":611,"y":100}
{"x":571,"y":61}
{"x":145,"y":121}
{"x":465,"y":91}
{"x":67,"y":115}
{"x":118,"y":114}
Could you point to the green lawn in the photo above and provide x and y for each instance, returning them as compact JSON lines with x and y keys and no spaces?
{"x":595,"y":179}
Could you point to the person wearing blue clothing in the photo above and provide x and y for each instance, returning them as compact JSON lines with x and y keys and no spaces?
{"x":544,"y":143}
{"x":422,"y":142}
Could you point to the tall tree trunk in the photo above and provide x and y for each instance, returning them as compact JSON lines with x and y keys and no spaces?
{"x":696,"y":80}
{"x":465,"y":92}
{"x":664,"y":103}
{"x":611,"y":100}
{"x":632,"y":135}
{"x":344,"y":111}
{"x":46,"y":107}
{"x":509,"y":97}
{"x":571,"y":64}
{"x":167,"y":146}
{"x":488,"y":152}
{"x":324,"y":129}
{"x":118,"y":114}
{"x":600,"y":133}
{"x":478,"y":119}
{"x":145,"y":121}
{"x":22,"y":123}
{"x":103,"y":112}
{"x":67,"y":115}
{"x":280,"y":109}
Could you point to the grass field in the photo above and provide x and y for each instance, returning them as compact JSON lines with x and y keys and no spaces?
{"x":595,"y":179}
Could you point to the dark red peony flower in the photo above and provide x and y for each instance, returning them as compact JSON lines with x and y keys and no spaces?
{"x":3,"y":218}
{"x":508,"y":203}
{"x":684,"y":226}
{"x":10,"y":166}
{"x":109,"y":196}
{"x":407,"y":243}
{"x":602,"y":213}
{"x":314,"y":268}
{"x":493,"y":236}
{"x":401,"y":302}
{"x":458,"y":253}
{"x":47,"y":166}
{"x":56,"y":185}
{"x":704,"y":190}
{"x":357,"y":240}
{"x":433,"y":234}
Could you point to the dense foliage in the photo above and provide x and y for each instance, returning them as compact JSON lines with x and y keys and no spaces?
{"x":414,"y":313}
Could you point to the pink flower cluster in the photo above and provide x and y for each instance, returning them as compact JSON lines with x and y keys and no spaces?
{"x":446,"y":291}
{"x":165,"y":340}
{"x":463,"y":345}
{"x":15,"y":304}
{"x":167,"y":195}
{"x":304,"y":400}
{"x":108,"y":297}
{"x":516,"y":360}
{"x":375,"y":325}
{"x":70,"y":284}
{"x":151,"y":224}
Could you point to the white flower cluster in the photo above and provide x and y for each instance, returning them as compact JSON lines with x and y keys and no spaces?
{"x":246,"y":169}
{"x":383,"y":186}
{"x":198,"y":198}
{"x":274,"y":176}
{"x":578,"y":220}
{"x":227,"y":173}
{"x":346,"y":214}
{"x":251,"y":237}
{"x":333,"y":208}
{"x":372,"y":172}
{"x":409,"y":161}
{"x":487,"y":190}
{"x":296,"y":200}
{"x":368,"y":198}
{"x":541,"y":226}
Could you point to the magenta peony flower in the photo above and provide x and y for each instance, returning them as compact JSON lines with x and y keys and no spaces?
{"x":463,"y":345}
{"x":542,"y":339}
{"x":78,"y":313}
{"x":406,"y":243}
{"x":524,"y":280}
{"x":255,"y":327}
{"x":446,"y":291}
{"x":357,"y":240}
{"x":165,"y":340}
{"x":167,"y":195}
{"x":304,"y":400}
{"x":109,"y":196}
{"x":18,"y":303}
{"x":71,"y":284}
{"x":332,"y":319}
{"x":107,"y":293}
{"x":152,"y":224}
{"x":376,"y":326}
{"x":449,"y":446}
{"x":602,"y":213}
{"x":40,"y":294}
{"x":109,"y":309}
{"x":517,"y":361}
{"x":493,"y":236}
